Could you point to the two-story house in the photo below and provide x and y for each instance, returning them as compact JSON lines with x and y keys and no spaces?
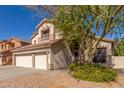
{"x":6,"y":46}
{"x":47,"y":50}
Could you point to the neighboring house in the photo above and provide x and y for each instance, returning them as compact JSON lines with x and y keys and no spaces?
{"x":6,"y":46}
{"x":47,"y":50}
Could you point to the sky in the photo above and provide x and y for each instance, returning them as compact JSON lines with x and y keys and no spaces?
{"x":17,"y":21}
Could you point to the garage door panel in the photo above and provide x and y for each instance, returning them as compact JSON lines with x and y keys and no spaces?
{"x":41,"y":61}
{"x":24,"y":61}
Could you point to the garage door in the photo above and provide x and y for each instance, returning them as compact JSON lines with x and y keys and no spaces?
{"x":24,"y":60}
{"x":41,"y":61}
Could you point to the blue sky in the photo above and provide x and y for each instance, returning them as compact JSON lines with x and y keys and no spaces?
{"x":17,"y":21}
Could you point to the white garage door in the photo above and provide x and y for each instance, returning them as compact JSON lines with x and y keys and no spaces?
{"x":41,"y":61}
{"x":24,"y":60}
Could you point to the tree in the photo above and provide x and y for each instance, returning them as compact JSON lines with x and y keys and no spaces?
{"x":86,"y":25}
{"x":119,"y":48}
{"x":81,"y":24}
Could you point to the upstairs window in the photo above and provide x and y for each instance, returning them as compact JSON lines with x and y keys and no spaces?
{"x":34,"y":41}
{"x":46,"y":35}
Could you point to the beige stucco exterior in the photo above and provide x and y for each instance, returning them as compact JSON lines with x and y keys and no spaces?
{"x":35,"y":39}
{"x":107,"y":45}
{"x":38,"y":35}
{"x":61,"y":56}
{"x":118,"y":62}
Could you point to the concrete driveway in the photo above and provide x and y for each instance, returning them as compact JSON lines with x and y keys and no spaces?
{"x":8,"y":72}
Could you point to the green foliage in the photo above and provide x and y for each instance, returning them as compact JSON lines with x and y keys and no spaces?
{"x":69,"y":25}
{"x":93,"y":72}
{"x":119,"y":48}
{"x":79,"y":25}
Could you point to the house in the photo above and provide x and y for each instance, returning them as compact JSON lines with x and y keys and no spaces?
{"x":6,"y":46}
{"x":47,"y":50}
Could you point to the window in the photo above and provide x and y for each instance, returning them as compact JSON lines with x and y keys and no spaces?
{"x":100,"y":56}
{"x":2,"y":46}
{"x":13,"y":45}
{"x":34,"y":41}
{"x":45,"y":35}
{"x":5,"y":46}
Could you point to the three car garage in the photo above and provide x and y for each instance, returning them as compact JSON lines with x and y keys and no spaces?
{"x":42,"y":56}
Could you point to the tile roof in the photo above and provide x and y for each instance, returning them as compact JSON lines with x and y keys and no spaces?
{"x":36,"y":46}
{"x":19,"y":40}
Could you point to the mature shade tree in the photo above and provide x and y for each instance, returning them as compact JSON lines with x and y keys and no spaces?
{"x":86,"y":25}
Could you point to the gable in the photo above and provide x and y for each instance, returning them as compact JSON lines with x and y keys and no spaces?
{"x":16,"y":42}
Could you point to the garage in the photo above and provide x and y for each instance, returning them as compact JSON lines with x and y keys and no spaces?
{"x":24,"y":60}
{"x":32,"y":56}
{"x":41,"y":61}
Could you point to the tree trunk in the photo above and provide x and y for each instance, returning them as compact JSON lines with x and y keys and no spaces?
{"x":88,"y":54}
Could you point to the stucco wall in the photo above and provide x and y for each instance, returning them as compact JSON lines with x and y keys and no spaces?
{"x":118,"y":61}
{"x":44,"y":26}
{"x":108,"y":46}
{"x":35,"y":38}
{"x":7,"y":58}
{"x":53,"y":34}
{"x":60,"y":56}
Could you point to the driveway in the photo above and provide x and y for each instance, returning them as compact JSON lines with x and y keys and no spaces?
{"x":17,"y":77}
{"x":8,"y":72}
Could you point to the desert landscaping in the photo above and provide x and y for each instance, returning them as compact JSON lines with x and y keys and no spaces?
{"x":52,"y":79}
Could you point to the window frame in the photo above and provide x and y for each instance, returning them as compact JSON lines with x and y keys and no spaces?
{"x":46,"y":35}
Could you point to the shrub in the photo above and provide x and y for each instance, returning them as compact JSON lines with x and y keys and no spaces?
{"x":92,"y":72}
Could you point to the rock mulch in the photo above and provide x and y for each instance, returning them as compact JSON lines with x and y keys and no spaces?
{"x":56,"y":80}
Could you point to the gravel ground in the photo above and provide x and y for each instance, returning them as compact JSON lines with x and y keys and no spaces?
{"x":56,"y":79}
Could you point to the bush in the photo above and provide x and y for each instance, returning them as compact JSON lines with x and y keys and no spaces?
{"x":93,"y":72}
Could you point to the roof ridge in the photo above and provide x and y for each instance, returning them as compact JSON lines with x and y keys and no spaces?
{"x":20,"y":40}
